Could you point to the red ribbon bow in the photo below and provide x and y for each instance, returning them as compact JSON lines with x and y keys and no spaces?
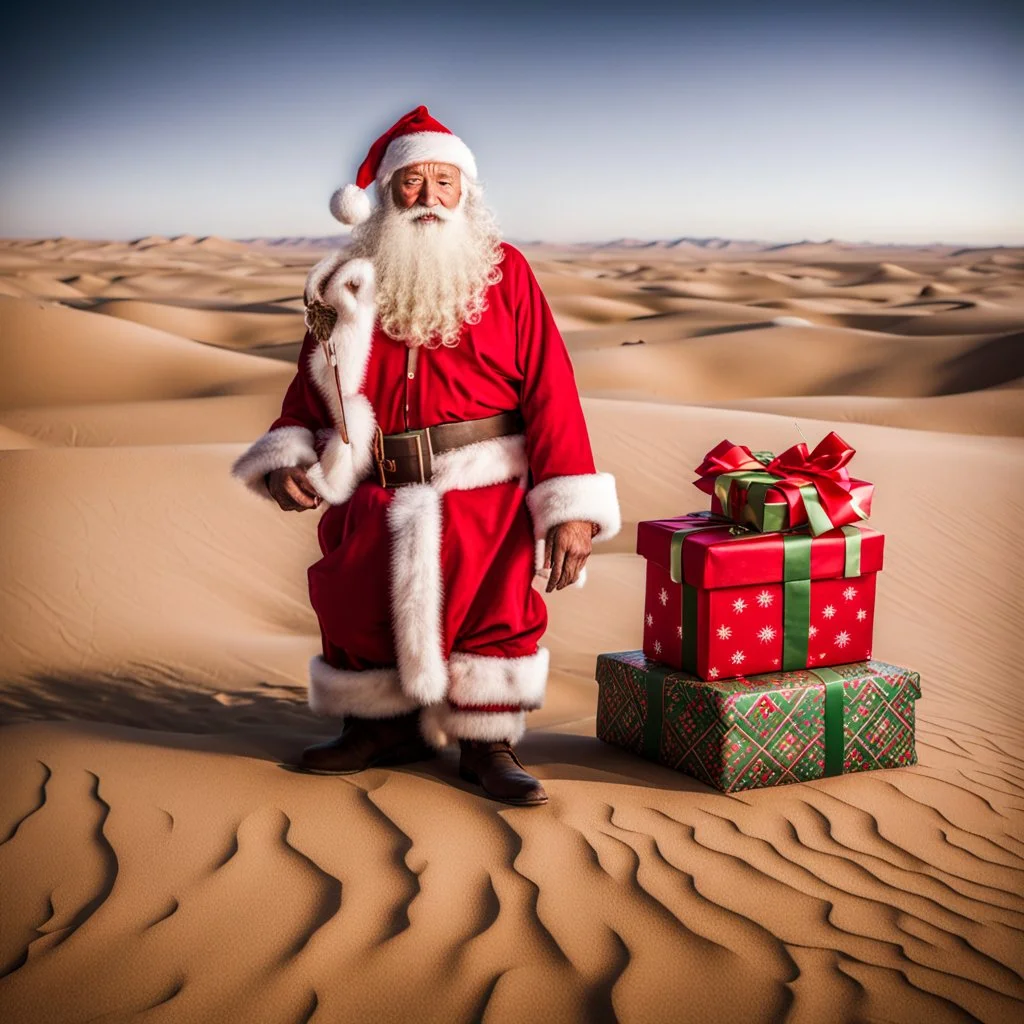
{"x":724,"y":458}
{"x":825,"y":468}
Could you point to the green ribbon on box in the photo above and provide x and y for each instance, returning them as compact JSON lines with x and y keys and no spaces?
{"x":796,"y":588}
{"x":764,"y":517}
{"x":654,"y":721}
{"x":796,"y":599}
{"x":834,"y":740}
{"x":832,"y":726}
{"x":711,"y":521}
{"x":851,"y":566}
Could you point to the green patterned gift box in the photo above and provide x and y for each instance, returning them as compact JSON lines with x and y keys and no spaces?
{"x":769,"y":729}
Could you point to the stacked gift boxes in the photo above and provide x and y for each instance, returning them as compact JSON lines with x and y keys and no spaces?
{"x":756,"y":667}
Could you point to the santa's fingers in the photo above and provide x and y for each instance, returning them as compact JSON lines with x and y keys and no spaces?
{"x":571,"y":570}
{"x":288,"y":502}
{"x":558,"y":554}
{"x":547,"y":547}
{"x":297,"y":494}
{"x":307,"y":487}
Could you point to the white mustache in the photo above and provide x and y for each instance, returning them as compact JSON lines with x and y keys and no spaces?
{"x":417,"y":212}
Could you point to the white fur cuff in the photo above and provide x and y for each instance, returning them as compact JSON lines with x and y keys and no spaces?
{"x":370,"y":693}
{"x":483,"y":679}
{"x":441,"y":724}
{"x":284,"y":446}
{"x":587,"y":496}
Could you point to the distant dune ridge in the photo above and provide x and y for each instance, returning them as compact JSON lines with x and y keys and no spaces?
{"x":158,"y":865}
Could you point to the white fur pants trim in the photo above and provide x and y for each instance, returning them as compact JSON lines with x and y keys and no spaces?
{"x":484,"y":679}
{"x":370,"y":693}
{"x":441,"y":724}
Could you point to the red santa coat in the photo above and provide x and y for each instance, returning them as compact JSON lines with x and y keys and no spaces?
{"x":424,"y":592}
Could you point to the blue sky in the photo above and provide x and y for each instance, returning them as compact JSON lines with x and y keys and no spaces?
{"x":868,"y":121}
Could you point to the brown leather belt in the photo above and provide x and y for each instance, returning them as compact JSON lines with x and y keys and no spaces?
{"x":406,"y":458}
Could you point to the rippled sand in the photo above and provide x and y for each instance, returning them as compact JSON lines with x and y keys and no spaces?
{"x":157,"y":864}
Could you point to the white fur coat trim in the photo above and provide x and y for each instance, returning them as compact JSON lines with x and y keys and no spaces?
{"x":283,"y":446}
{"x":371,"y":693}
{"x":350,"y":291}
{"x":485,"y":679}
{"x":441,"y":724}
{"x":414,"y":524}
{"x":319,"y":273}
{"x":352,"y":336}
{"x":480,"y":464}
{"x":342,"y":467}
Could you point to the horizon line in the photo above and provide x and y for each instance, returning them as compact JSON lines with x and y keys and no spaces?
{"x":633,"y":240}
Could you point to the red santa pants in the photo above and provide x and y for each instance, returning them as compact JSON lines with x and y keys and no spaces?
{"x":425,"y":599}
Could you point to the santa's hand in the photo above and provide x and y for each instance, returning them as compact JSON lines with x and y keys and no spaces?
{"x":566,"y":549}
{"x":291,"y":489}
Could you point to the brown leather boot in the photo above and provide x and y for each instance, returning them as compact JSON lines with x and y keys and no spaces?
{"x":492,"y":765}
{"x":367,"y":743}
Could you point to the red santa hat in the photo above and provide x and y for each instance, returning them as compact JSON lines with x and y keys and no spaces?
{"x":412,"y":139}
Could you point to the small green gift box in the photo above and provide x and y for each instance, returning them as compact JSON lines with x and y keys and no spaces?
{"x":769,"y":729}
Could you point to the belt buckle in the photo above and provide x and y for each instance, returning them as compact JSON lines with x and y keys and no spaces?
{"x":378,"y":457}
{"x":424,"y":456}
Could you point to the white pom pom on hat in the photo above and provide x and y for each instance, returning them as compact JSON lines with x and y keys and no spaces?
{"x":350,"y":205}
{"x":415,"y":138}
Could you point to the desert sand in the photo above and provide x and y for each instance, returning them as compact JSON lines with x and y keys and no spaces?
{"x":158,"y":865}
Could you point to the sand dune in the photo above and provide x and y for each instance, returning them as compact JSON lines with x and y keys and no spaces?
{"x":158,"y":864}
{"x":235,"y":329}
{"x":52,"y":354}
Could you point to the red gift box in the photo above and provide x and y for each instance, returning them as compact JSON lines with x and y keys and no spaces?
{"x":725,"y":601}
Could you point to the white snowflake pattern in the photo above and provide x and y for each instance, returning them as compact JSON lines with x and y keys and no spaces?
{"x":657,"y":647}
{"x":663,"y":596}
{"x":724,"y":632}
{"x":861,"y":615}
{"x":712,"y":673}
{"x":775,"y":662}
{"x":812,"y":630}
{"x":739,"y":604}
{"x":679,"y":632}
{"x":737,"y":658}
{"x":650,"y":619}
{"x":766,"y":634}
{"x":850,"y":593}
{"x":764,"y":599}
{"x":842,"y":639}
{"x":821,"y":657}
{"x":828,"y":611}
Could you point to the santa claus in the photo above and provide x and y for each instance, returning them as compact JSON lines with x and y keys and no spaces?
{"x":435,"y":413}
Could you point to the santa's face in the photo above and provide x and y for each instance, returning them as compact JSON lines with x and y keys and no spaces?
{"x":425,"y":186}
{"x":435,"y":248}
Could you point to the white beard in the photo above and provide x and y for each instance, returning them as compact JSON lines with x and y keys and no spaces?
{"x":432,"y":277}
